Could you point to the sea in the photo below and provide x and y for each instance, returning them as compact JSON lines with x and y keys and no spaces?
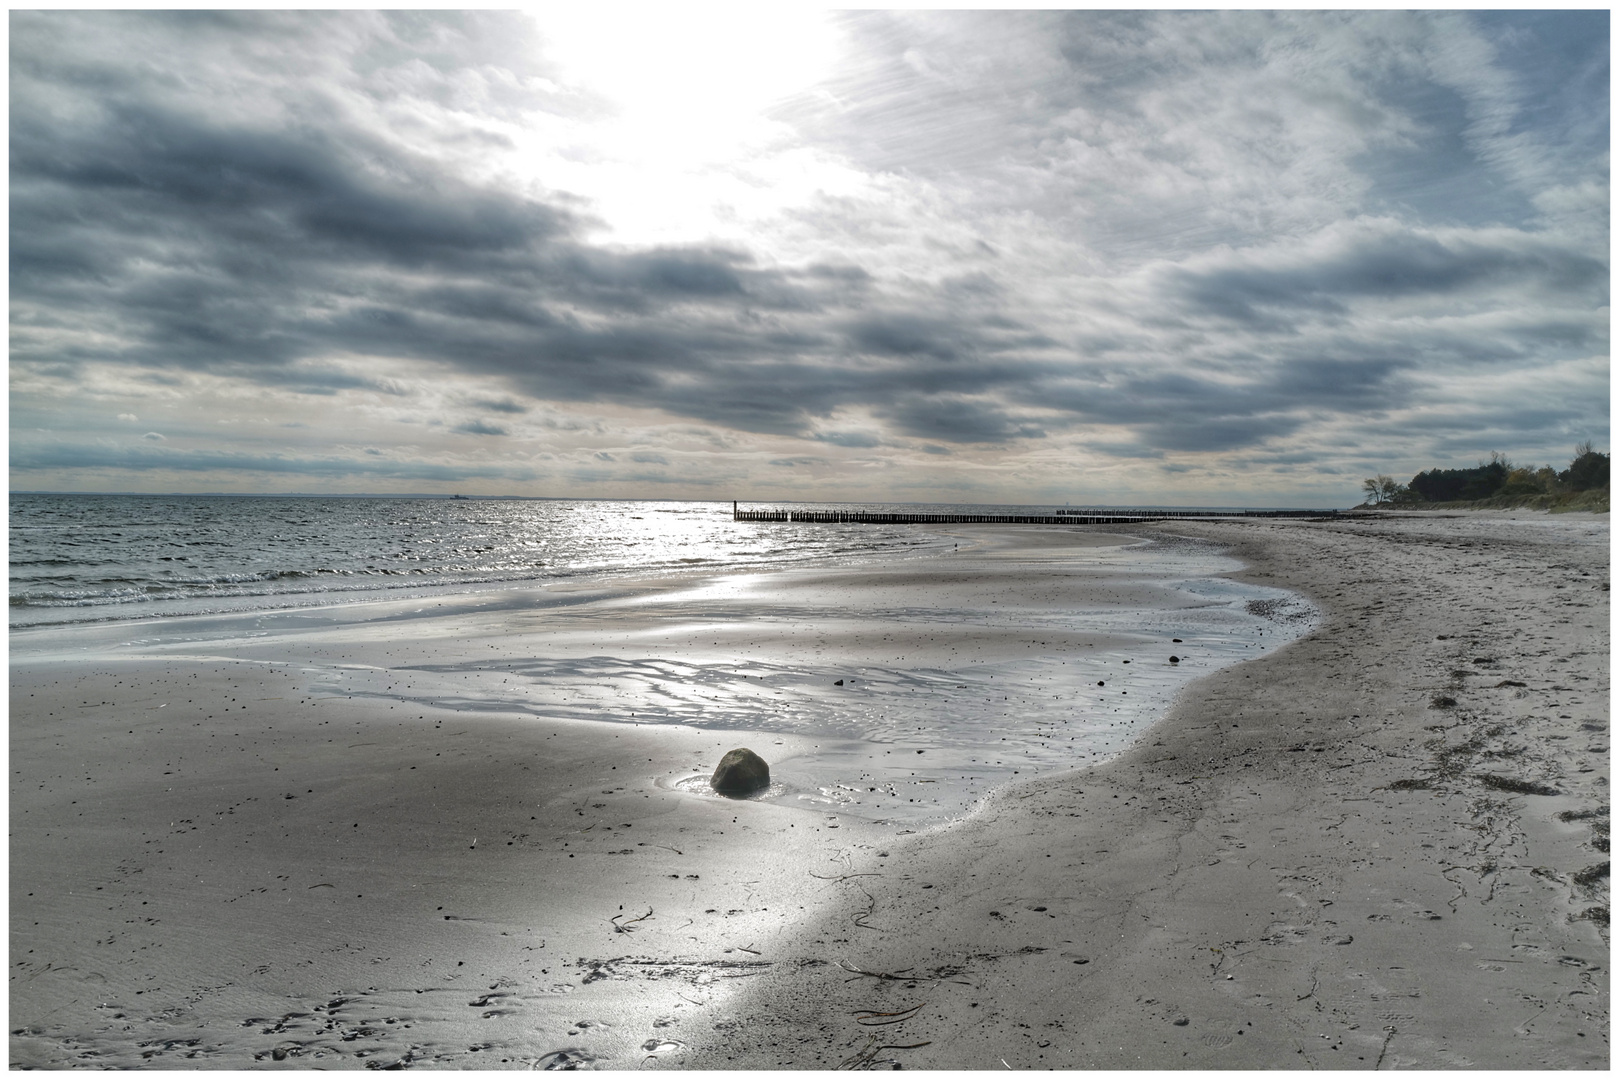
{"x":96,"y":558}
{"x":139,"y":574}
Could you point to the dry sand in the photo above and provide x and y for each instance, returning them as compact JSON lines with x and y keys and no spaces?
{"x":355,"y":845}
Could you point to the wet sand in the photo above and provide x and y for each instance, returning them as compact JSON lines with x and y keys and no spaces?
{"x":335,"y":840}
{"x":1383,"y":846}
{"x":357,"y":846}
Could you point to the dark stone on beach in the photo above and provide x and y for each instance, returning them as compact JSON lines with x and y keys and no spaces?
{"x":740,"y":772}
{"x":1174,"y":659}
{"x":838,"y":683}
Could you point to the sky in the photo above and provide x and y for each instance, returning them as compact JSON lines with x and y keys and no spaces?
{"x":1195,"y":258}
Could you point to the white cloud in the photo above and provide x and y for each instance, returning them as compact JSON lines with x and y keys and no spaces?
{"x":904,"y":251}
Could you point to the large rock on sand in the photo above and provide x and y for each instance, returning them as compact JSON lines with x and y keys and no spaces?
{"x":740,"y":772}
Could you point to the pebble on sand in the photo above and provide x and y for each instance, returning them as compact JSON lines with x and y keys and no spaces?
{"x":740,"y":772}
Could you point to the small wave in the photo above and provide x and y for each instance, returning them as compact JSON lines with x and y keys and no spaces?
{"x":137,"y":556}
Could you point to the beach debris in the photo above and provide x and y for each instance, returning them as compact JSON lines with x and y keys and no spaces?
{"x":871,"y":909}
{"x":871,"y":1018}
{"x":867,"y":1054}
{"x":846,"y":877}
{"x":628,"y":927}
{"x":838,"y":683}
{"x":945,"y":973}
{"x":1516,"y":786}
{"x":740,"y":772}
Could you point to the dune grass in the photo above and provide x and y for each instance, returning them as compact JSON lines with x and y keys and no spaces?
{"x":1594,"y":501}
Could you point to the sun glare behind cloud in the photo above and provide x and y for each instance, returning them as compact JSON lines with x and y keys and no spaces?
{"x":687,"y":94}
{"x":978,"y":256}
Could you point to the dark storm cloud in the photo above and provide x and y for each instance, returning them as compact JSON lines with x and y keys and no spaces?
{"x":903,"y":335}
{"x":37,"y":456}
{"x":954,"y":419}
{"x":1384,"y":265}
{"x":480,"y":427}
{"x":305,"y":192}
{"x":1219,"y":433}
{"x":246,"y":250}
{"x":1189,"y":411}
{"x":504,"y":405}
{"x":250,"y":247}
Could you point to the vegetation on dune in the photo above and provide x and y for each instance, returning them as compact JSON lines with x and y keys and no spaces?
{"x":1498,"y":484}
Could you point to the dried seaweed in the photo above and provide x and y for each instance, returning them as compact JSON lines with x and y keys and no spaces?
{"x":629,"y":927}
{"x":868,"y":1018}
{"x":1517,"y":787}
{"x":867,"y":1055}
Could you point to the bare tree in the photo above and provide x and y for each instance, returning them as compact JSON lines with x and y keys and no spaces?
{"x":1380,"y":488}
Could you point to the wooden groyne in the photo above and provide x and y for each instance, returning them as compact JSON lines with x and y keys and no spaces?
{"x":1061,"y":517}
{"x":1171,"y":515}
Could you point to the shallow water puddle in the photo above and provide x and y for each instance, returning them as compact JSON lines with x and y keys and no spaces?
{"x":915,"y":741}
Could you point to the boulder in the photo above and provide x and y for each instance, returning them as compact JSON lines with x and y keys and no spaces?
{"x":740,"y":772}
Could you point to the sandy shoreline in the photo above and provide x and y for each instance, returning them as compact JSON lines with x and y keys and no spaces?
{"x":356,"y":838}
{"x":1308,"y":864}
{"x":212,"y":865}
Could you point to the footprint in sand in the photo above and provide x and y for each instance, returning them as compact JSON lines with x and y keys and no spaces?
{"x":661,"y":1046}
{"x":559,"y":1060}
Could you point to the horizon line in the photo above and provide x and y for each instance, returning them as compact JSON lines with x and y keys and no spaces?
{"x":457,"y":497}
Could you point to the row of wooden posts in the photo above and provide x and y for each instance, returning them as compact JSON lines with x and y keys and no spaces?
{"x":1061,"y":517}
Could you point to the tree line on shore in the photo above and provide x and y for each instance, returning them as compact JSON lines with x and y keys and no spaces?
{"x":1497,"y":479}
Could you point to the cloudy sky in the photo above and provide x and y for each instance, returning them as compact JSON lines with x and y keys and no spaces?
{"x":959,"y":256}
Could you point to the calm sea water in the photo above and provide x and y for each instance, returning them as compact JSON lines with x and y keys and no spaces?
{"x":94,"y":565}
{"x":88,"y":558}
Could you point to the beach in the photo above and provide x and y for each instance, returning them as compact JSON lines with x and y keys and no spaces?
{"x":358,"y":843}
{"x":1383,"y":846}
